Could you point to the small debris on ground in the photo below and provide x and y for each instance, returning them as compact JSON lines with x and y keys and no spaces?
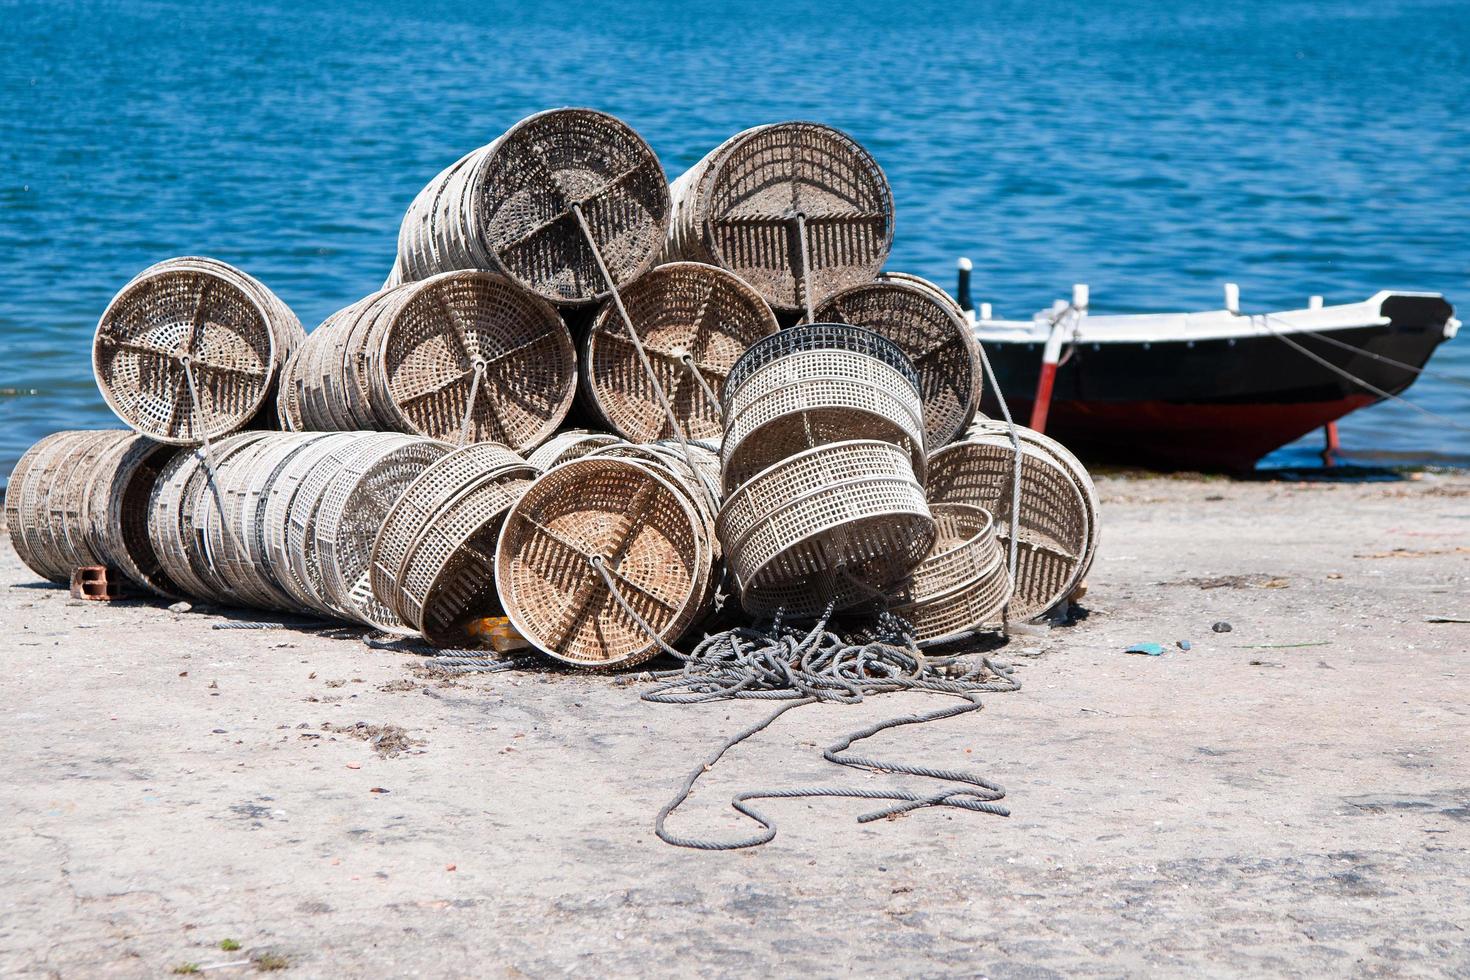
{"x":180,"y":607}
{"x":1222,"y":627}
{"x":388,"y":740}
{"x":1147,"y":649}
{"x":1184,"y":645}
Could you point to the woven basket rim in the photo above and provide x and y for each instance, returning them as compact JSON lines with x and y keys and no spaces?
{"x":751,"y":361}
{"x":267,"y":389}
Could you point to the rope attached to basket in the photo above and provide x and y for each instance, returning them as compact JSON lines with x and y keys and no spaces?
{"x":781,"y":663}
{"x":643,"y":359}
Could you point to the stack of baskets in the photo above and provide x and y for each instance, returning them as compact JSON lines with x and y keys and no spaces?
{"x":962,"y":585}
{"x":192,"y":349}
{"x":1057,"y":521}
{"x":460,"y":356}
{"x":284,"y":520}
{"x":80,"y":498}
{"x":433,"y":561}
{"x":823,"y":467}
{"x":815,"y":465}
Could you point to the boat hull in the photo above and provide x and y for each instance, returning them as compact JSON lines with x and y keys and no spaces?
{"x":1218,"y":404}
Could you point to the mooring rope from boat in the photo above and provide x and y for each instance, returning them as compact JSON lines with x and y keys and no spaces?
{"x":1382,"y":359}
{"x":783,"y":663}
{"x":1381,"y":393}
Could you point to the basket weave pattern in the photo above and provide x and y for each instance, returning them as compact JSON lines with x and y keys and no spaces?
{"x":428,"y":356}
{"x":508,"y":207}
{"x":937,"y":340}
{"x":626,"y":514}
{"x":234,"y":334}
{"x":735,"y":208}
{"x":689,"y":317}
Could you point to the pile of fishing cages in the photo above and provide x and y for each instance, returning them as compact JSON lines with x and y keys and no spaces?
{"x":423,"y":476}
{"x":460,"y":356}
{"x":822,"y":467}
{"x":192,"y":349}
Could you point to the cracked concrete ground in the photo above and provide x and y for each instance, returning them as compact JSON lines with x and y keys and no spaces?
{"x":1288,"y":798}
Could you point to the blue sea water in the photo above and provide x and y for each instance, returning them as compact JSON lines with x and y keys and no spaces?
{"x":1152,"y":149}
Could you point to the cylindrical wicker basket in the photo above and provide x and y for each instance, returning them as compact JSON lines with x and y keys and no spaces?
{"x":46,"y":501}
{"x":813,"y":385}
{"x":200,"y":317}
{"x":434,"y":560}
{"x":837,"y":523}
{"x":936,"y":338}
{"x":119,"y":492}
{"x":737,"y":208}
{"x":508,"y":206}
{"x":1053,"y":518}
{"x":962,"y":584}
{"x":690,"y":318}
{"x":639,"y":526}
{"x":462,"y":356}
{"x":451,"y":500}
{"x":1061,"y":454}
{"x":351,"y":514}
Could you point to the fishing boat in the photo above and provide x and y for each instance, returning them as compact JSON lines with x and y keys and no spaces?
{"x":1213,"y":390}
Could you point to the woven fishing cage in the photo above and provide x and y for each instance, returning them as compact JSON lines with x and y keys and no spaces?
{"x":737,"y":208}
{"x":694,"y":321}
{"x":45,"y":497}
{"x":962,"y":584}
{"x":509,"y":206}
{"x":116,"y":510}
{"x":306,"y":577}
{"x":200,"y":319}
{"x":232,"y":537}
{"x":569,"y":445}
{"x":1053,"y":523}
{"x":991,"y":428}
{"x":351,"y":514}
{"x":695,"y":469}
{"x":434,"y":560}
{"x":180,"y":506}
{"x":68,"y":541}
{"x":935,"y":336}
{"x":315,"y":456}
{"x":457,"y":473}
{"x":468,"y":357}
{"x":17,"y":514}
{"x":618,"y":515}
{"x":833,"y":524}
{"x":816,"y":384}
